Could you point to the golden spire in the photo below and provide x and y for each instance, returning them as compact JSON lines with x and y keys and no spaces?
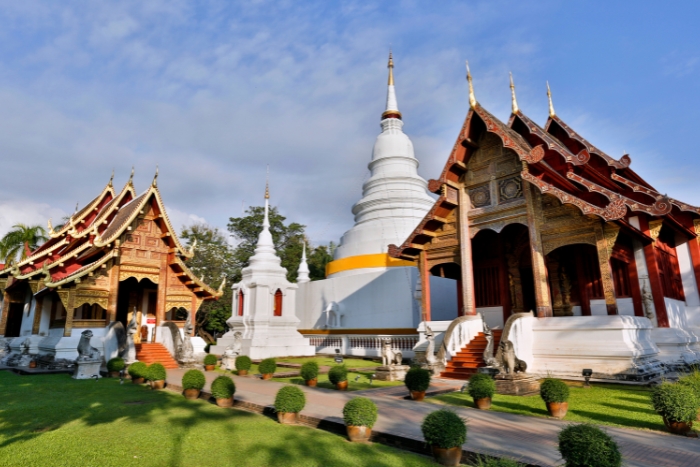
{"x":549,"y":97}
{"x":267,"y":184}
{"x":111,"y":179}
{"x":472,"y":99}
{"x":131,"y":177}
{"x":155,"y":178}
{"x":391,"y":69}
{"x":512,"y":93}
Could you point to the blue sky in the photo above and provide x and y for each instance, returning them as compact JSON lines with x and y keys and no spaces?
{"x":212,"y":92}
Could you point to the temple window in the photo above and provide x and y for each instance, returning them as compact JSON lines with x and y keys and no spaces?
{"x":621,"y":278}
{"x":88,"y":311}
{"x":277,"y":310}
{"x":240,"y":303}
{"x":667,"y":262}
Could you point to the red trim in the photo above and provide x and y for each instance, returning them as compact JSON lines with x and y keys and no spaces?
{"x":241,"y":297}
{"x":278,"y":303}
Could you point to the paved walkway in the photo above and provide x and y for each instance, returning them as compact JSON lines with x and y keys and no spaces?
{"x":528,"y":439}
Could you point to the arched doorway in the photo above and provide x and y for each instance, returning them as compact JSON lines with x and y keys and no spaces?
{"x":140,"y":297}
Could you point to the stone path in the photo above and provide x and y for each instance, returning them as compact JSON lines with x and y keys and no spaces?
{"x":528,"y":439}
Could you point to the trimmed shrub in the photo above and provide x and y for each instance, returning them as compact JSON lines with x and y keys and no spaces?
{"x":223,"y":387}
{"x":676,"y":402}
{"x":116,"y":364}
{"x":692,"y":380}
{"x":309,"y":371}
{"x":290,"y":399}
{"x":267,"y":366}
{"x":481,"y":385}
{"x":587,"y":445}
{"x":138,"y":370}
{"x":417,"y":379}
{"x":338,"y":374}
{"x":243,"y":362}
{"x":210,"y":359}
{"x":155,"y":372}
{"x":444,"y":429}
{"x":360,"y":411}
{"x":193,"y":379}
{"x":554,"y":390}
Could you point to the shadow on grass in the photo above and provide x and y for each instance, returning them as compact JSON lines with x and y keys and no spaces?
{"x":608,"y":418}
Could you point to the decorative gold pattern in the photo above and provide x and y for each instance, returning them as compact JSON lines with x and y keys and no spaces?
{"x":655,"y":228}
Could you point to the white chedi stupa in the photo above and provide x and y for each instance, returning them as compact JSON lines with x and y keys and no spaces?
{"x":264,"y":306}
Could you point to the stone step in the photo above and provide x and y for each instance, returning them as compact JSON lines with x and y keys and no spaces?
{"x":155,"y":353}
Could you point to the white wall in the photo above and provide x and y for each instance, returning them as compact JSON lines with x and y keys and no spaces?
{"x":625,"y":306}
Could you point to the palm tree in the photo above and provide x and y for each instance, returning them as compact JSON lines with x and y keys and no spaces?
{"x":20,"y":241}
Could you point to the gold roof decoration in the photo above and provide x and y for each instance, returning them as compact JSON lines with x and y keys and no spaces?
{"x":220,"y":291}
{"x":514,"y":103}
{"x":472,"y":98}
{"x":549,"y":98}
{"x":391,"y":69}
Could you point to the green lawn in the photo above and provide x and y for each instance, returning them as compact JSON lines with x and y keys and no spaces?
{"x":353,"y":385}
{"x":329,"y":361}
{"x":53,"y":420}
{"x":604,"y":404}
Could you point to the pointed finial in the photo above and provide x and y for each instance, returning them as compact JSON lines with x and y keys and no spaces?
{"x":267,"y":184}
{"x":512,"y":93}
{"x":111,"y":179}
{"x":155,"y":178}
{"x":131,"y":177}
{"x":472,"y":99}
{"x":549,"y":97}
{"x":50,"y":226}
{"x":76,"y":207}
{"x":391,"y":69}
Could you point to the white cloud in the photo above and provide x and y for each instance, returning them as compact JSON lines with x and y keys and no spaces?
{"x":23,"y":211}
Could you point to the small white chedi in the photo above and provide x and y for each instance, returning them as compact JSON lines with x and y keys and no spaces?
{"x":264,"y":306}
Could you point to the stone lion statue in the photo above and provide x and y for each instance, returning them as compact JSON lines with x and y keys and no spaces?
{"x":509,"y":362}
{"x":86,"y":352}
{"x":390,"y":356}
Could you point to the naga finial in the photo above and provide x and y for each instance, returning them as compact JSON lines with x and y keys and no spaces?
{"x":472,"y":98}
{"x":514,"y":102}
{"x":549,"y":97}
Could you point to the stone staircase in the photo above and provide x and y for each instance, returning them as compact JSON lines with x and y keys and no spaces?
{"x":151,"y":353}
{"x":471,"y":357}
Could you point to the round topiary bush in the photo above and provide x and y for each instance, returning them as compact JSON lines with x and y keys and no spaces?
{"x":267,"y":366}
{"x":444,"y":429}
{"x":210,"y":359}
{"x":481,"y":385}
{"x":223,"y":387}
{"x":309,"y":371}
{"x":417,"y":379}
{"x":587,"y":445}
{"x":360,"y":411}
{"x":137,"y":370}
{"x":554,"y":390}
{"x":338,"y":374}
{"x":290,"y":399}
{"x":243,"y":363}
{"x":675,"y":402}
{"x":115,"y":364}
{"x":193,"y":379}
{"x":155,"y":372}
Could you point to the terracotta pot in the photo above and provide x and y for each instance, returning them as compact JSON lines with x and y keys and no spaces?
{"x":358,"y":434}
{"x":209,"y":367}
{"x":32,"y":364}
{"x":242,"y":372}
{"x":678,"y":428}
{"x":311,"y":382}
{"x":287,"y":418}
{"x":417,"y":395}
{"x":483,"y":403}
{"x":160,"y":384}
{"x":112,"y":374}
{"x":228,"y":402}
{"x":267,"y":376}
{"x":450,"y":456}
{"x":557,"y":409}
{"x":191,"y":394}
{"x":342,"y":386}
{"x":137,"y":380}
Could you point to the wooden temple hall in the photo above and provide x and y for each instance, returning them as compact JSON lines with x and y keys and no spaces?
{"x":116,"y":256}
{"x":538,"y":219}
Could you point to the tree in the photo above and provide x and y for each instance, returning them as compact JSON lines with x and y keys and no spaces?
{"x":318,"y":259}
{"x":19,"y":242}
{"x":213,"y":260}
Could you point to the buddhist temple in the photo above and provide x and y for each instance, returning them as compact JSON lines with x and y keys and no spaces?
{"x":116,"y":256}
{"x":538,"y":219}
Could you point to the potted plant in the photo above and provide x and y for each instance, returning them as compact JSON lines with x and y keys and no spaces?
{"x":192,"y":383}
{"x":243,"y":364}
{"x":32,"y":363}
{"x":222,"y":389}
{"x":156,"y":375}
{"x":338,"y":375}
{"x":115,"y":366}
{"x":692,"y":380}
{"x":586,"y":444}
{"x":417,"y":381}
{"x":290,"y":400}
{"x":137,"y":371}
{"x":309,"y":371}
{"x":210,"y":362}
{"x":445,"y":432}
{"x":267,"y":368}
{"x":360,"y":415}
{"x":482,"y":388}
{"x":677,"y":404}
{"x":555,"y":393}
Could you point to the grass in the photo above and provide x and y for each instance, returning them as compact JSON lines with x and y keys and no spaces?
{"x":604,"y":404}
{"x":361,"y":383}
{"x":57,"y":421}
{"x":329,"y":361}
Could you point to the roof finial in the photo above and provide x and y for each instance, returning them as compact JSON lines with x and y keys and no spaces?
{"x":472,"y":99}
{"x":549,"y":97}
{"x":111,"y":179}
{"x":392,"y":107}
{"x":391,"y":69}
{"x":267,"y":183}
{"x":131,"y":177}
{"x":155,"y":178}
{"x":512,"y":93}
{"x":76,"y":207}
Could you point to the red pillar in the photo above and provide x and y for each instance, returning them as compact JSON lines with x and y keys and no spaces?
{"x":657,"y":290}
